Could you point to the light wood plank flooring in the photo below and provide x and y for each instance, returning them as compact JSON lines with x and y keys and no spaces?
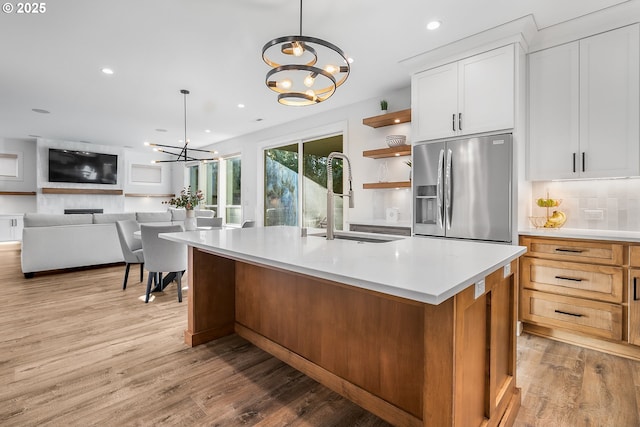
{"x":75,"y":350}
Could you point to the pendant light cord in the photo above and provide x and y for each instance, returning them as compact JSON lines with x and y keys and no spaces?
{"x":301,"y":17}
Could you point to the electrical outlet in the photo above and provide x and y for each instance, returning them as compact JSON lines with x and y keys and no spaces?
{"x":479,"y":291}
{"x":507,"y":270}
{"x":593,"y":214}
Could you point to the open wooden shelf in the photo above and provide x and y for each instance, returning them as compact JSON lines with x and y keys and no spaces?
{"x":17,"y":193}
{"x":397,"y":117}
{"x":81,"y":191}
{"x":401,"y":150}
{"x":148,"y":195}
{"x":386,"y":185}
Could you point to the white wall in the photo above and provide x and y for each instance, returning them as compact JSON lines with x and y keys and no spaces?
{"x":617,"y":200}
{"x":369,"y":204}
{"x":25,"y":149}
{"x":34,"y":176}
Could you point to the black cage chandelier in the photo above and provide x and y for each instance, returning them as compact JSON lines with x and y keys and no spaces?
{"x":302,"y":82}
{"x":182,"y":153}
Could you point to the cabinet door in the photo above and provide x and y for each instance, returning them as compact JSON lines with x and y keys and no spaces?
{"x":553,"y":150}
{"x":609,"y":98}
{"x":434,"y":103}
{"x":634,"y":306}
{"x":6,"y":229}
{"x":486,"y":91}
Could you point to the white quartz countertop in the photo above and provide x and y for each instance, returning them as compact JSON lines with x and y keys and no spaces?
{"x":423,"y":269}
{"x":579,"y":233}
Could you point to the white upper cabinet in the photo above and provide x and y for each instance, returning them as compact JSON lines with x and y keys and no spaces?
{"x":470,"y":96}
{"x":554,"y":113}
{"x":583,"y":108}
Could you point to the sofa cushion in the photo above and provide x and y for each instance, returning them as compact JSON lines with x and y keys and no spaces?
{"x":112,"y":218}
{"x":178,"y":214}
{"x":153,"y":216}
{"x":47,"y":220}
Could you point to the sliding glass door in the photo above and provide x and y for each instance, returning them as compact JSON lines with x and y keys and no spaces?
{"x":283,"y":200}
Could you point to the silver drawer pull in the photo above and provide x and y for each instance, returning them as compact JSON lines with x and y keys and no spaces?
{"x":568,"y":314}
{"x":575,"y":251}
{"x":573,"y":279}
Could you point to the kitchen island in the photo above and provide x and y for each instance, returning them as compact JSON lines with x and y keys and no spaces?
{"x":418,"y":331}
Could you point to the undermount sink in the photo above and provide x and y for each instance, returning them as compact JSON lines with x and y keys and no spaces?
{"x":360,"y":238}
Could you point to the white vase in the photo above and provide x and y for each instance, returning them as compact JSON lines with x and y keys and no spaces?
{"x":190,"y":221}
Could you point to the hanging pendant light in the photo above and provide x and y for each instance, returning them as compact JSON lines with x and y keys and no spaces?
{"x":295,"y":74}
{"x":183,"y":154}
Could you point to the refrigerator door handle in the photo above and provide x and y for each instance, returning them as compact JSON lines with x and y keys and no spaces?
{"x":439,"y":192}
{"x":447,"y":184}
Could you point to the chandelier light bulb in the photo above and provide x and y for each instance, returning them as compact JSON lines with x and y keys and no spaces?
{"x":309,"y":80}
{"x":284,"y":84}
{"x":312,"y":94}
{"x":298,"y":49}
{"x":331,"y":69}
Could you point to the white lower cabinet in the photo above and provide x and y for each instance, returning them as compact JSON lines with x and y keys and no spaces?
{"x":11,"y":228}
{"x":583,"y":108}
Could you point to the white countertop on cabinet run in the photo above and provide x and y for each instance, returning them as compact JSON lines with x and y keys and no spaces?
{"x":422,"y":269}
{"x":580,"y":233}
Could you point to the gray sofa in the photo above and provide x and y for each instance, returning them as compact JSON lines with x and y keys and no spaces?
{"x":57,"y":241}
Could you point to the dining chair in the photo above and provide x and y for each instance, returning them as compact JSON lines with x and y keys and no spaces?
{"x":204,"y":213}
{"x":248,"y":224}
{"x":208,"y":222}
{"x":163,"y":256}
{"x":131,"y":247}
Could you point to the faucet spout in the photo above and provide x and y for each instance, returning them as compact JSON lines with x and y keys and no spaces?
{"x":331,"y":195}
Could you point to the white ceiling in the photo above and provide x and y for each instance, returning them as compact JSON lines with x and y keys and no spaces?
{"x":213,"y":48}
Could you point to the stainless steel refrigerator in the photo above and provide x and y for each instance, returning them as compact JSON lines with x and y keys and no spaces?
{"x":463,"y":188}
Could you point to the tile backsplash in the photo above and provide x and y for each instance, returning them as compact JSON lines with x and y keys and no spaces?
{"x":612,"y":204}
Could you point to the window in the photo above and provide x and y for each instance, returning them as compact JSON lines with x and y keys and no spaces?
{"x":231,"y":198}
{"x":222,"y":188}
{"x":211,"y":187}
{"x":282,"y":181}
{"x":193,"y":177}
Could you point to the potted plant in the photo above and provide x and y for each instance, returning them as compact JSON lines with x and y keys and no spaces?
{"x":187,"y":200}
{"x":384,"y":105}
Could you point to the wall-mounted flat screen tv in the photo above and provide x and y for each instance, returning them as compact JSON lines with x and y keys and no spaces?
{"x":82,"y":167}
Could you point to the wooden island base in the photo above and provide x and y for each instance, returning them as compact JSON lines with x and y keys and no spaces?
{"x":408,"y":362}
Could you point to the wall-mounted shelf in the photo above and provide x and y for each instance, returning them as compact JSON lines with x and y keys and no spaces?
{"x":17,"y":193}
{"x":148,"y":195}
{"x":81,"y":191}
{"x":386,"y":185}
{"x":388,"y":119}
{"x":401,"y":150}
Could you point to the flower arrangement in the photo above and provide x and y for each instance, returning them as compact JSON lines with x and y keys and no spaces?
{"x":187,"y":199}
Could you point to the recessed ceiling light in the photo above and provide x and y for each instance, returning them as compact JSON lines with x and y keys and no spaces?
{"x":240,"y":105}
{"x":40,"y":110}
{"x":350,"y":60}
{"x":433,"y":25}
{"x":207,"y":131}
{"x":161,"y":130}
{"x":107,"y":71}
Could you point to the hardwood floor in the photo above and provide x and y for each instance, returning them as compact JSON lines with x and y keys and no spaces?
{"x":76,"y":350}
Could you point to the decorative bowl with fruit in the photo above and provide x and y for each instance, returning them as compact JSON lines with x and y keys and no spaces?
{"x":554,"y":219}
{"x":548,"y":203}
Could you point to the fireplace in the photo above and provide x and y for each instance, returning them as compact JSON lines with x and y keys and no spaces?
{"x":83,"y":211}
